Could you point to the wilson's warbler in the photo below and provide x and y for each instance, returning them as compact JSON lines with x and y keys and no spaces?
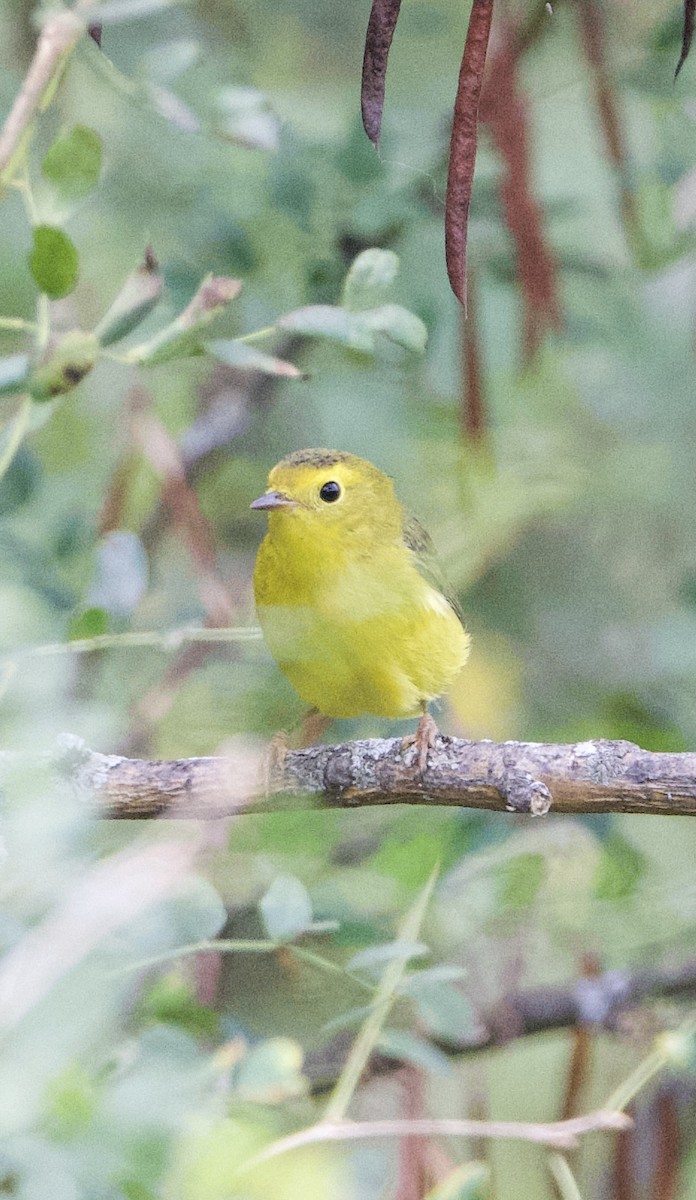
{"x":348,"y":594}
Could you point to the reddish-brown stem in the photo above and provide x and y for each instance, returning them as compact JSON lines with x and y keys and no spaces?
{"x":504,"y":110}
{"x":473,"y":404}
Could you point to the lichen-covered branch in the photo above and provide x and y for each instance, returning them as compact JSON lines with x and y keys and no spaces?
{"x":521,"y":777}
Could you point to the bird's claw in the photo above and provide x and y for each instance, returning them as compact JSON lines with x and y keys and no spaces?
{"x":423,"y":739}
{"x":273,"y":762}
{"x":313,"y":726}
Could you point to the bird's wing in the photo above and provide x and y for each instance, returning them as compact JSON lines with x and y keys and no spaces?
{"x":420,"y":543}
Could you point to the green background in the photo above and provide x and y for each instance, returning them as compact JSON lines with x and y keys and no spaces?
{"x":231,"y":144}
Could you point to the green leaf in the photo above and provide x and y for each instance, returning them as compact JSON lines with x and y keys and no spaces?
{"x":70,"y":1102}
{"x":136,"y":299}
{"x":53,"y":261}
{"x":197,"y":912}
{"x":213,"y":1153}
{"x":167,"y":61}
{"x":470,"y":1181}
{"x":679,"y":1048}
{"x":134,"y":1189}
{"x":400,"y":1044}
{"x":21,"y":479}
{"x":270,"y":1072}
{"x":376,"y":956}
{"x":114,"y":11}
{"x":445,"y":1012}
{"x":172,"y":1001}
{"x":520,"y":880}
{"x":88,"y":624}
{"x":445,"y":973}
{"x":411,"y":860}
{"x":14,"y":371}
{"x":357,"y":330}
{"x":620,"y":869}
{"x":247,"y":358}
{"x":328,"y":321}
{"x":399,"y":325}
{"x":348,"y":1019}
{"x":121,"y":573}
{"x":286,"y":908}
{"x":73,"y":162}
{"x":369,"y":279}
{"x":246,"y":118}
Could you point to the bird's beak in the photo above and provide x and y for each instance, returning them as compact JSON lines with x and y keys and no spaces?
{"x":273,"y":500}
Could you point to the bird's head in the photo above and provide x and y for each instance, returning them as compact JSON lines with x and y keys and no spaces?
{"x":332,"y":494}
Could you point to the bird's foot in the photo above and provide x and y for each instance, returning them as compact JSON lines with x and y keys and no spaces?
{"x":312,"y":727}
{"x":423,"y":739}
{"x":273,"y":762}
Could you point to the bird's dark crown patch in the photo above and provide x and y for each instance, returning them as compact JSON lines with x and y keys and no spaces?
{"x":315,"y":458}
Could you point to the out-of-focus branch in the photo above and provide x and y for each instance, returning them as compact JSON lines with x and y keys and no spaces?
{"x":561,"y":1134}
{"x":505,"y":112}
{"x":472,"y":417}
{"x":520,"y":777}
{"x":180,"y":502}
{"x":162,"y":453}
{"x":592,"y":29}
{"x":112,"y":894}
{"x":582,"y":1004}
{"x":57,"y":38}
{"x":229,"y":396}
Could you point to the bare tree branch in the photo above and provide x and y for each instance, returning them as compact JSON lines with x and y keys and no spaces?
{"x":521,"y":777}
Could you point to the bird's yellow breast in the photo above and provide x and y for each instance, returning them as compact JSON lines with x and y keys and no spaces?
{"x":355,"y":633}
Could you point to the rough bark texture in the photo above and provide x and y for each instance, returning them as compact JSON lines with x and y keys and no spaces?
{"x":521,"y":777}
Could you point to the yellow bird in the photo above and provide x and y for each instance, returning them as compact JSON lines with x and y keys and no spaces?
{"x":348,"y":596}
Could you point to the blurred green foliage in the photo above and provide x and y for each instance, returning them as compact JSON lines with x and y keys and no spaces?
{"x":225,"y":138}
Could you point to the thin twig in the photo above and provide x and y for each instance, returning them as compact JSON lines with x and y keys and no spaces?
{"x":665,"y":1050}
{"x":164,"y":457}
{"x":17,"y":324}
{"x":168,"y":640}
{"x":563,"y":1177}
{"x":56,"y":40}
{"x":15,"y":435}
{"x":371,"y":1028}
{"x":646,"y":1070}
{"x":250,"y":946}
{"x":561,"y":1135}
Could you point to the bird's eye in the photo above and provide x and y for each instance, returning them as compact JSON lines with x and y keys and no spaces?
{"x":330,"y":491}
